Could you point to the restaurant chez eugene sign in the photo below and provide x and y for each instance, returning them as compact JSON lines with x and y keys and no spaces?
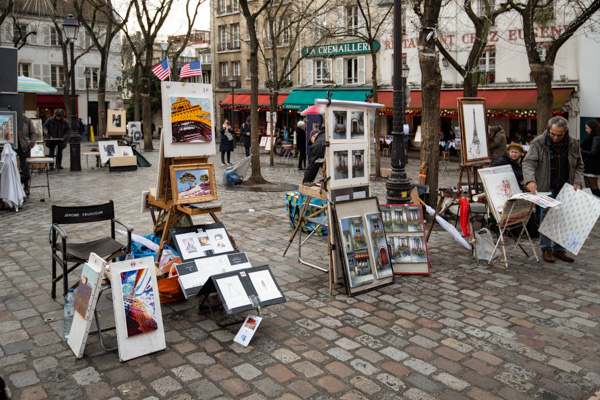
{"x":339,"y":49}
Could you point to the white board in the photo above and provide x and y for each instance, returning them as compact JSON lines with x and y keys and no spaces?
{"x":136,"y":302}
{"x":196,"y":101}
{"x":500,"y":184}
{"x":571,"y":222}
{"x":86,"y":297}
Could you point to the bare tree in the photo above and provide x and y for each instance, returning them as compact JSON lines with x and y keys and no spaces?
{"x":482,"y":23}
{"x":250,"y":16}
{"x":6,"y":10}
{"x":428,"y":12}
{"x":542,"y":55}
{"x":285,"y":23}
{"x":96,"y":18}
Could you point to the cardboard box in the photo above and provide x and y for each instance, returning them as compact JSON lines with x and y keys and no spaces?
{"x":123,"y":161}
{"x":386,"y":172}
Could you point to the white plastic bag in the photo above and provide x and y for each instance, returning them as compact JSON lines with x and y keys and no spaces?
{"x":485,"y":244}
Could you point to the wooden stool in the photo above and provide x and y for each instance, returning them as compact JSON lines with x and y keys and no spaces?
{"x":39,"y":164}
{"x":92,"y":153}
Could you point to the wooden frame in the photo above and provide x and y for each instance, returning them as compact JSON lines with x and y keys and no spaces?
{"x":197,"y":172}
{"x":116,"y":122}
{"x":10,"y":135}
{"x":406,"y":238}
{"x":473,"y":131}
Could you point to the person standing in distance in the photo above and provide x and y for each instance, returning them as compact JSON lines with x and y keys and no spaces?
{"x":301,"y":144}
{"x":226,"y":144}
{"x":245,"y":132}
{"x":554,"y":159}
{"x":57,"y":127}
{"x":27,"y":139}
{"x":590,"y":151}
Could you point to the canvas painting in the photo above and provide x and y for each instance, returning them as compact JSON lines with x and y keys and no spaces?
{"x":83,"y":293}
{"x":417,"y":249}
{"x":357,"y":125}
{"x":356,"y":251}
{"x":8,"y":128}
{"x":414,"y":218}
{"x":37,"y":150}
{"x":340,"y":162}
{"x":358,"y":163}
{"x":339,"y":125}
{"x":39,"y":127}
{"x":108,"y":149}
{"x":190,"y":119}
{"x":473,"y":127}
{"x":193,"y":183}
{"x":138,"y":316}
{"x":500,"y":183}
{"x":139,"y":301}
{"x":400,"y":248}
{"x":347,"y":165}
{"x":116,"y":124}
{"x":187,"y":112}
{"x":381,"y":256}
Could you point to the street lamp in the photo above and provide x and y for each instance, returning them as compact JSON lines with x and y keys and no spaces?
{"x":88,"y":121}
{"x":398,"y":186}
{"x":71,"y":28}
{"x":232,"y":85}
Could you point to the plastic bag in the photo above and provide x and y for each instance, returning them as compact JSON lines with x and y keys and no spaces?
{"x":235,"y":175}
{"x":485,"y":244}
{"x":169,"y":290}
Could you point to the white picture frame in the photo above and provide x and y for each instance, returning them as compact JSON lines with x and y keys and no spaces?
{"x":134,"y":130}
{"x":343,"y":164}
{"x":86,"y":297}
{"x":197,"y":94}
{"x":348,"y":125}
{"x":108,"y":149}
{"x":145,"y":295}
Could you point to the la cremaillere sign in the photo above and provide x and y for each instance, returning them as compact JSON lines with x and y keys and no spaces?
{"x":339,"y":49}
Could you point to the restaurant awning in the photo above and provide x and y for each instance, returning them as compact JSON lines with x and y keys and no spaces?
{"x":300,"y":99}
{"x":496,"y":100}
{"x":243,"y":101}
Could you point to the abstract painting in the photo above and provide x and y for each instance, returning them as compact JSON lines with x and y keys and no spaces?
{"x":139,"y":302}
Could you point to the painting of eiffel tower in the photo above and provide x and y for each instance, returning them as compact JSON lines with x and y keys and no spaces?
{"x":473,"y":130}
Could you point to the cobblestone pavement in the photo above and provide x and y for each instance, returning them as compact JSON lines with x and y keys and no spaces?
{"x":464,"y":332}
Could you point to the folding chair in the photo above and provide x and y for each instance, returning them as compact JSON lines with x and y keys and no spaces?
{"x":78,"y":253}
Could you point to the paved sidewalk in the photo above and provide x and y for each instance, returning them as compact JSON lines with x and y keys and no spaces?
{"x":464,"y":332}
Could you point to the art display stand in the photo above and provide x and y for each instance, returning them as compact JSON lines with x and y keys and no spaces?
{"x":515,"y":213}
{"x":241,"y":290}
{"x":170,"y":213}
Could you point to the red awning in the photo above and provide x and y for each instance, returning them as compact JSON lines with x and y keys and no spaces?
{"x":243,"y":101}
{"x":502,"y":99}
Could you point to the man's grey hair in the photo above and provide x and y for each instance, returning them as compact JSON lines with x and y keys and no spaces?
{"x":560,"y":122}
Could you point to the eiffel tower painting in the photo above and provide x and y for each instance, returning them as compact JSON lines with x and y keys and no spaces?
{"x":475,"y":145}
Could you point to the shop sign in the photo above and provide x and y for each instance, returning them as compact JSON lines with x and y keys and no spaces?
{"x":339,"y":49}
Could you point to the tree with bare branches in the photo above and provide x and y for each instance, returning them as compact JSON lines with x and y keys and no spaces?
{"x":541,"y":54}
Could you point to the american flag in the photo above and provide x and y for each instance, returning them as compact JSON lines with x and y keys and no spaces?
{"x":162,"y":69}
{"x":191,"y":69}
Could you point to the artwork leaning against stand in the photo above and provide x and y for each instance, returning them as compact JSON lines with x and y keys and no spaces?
{"x":108,"y":149}
{"x":500,"y":184}
{"x":362,"y":245}
{"x":193,"y":183}
{"x":8,"y":128}
{"x":187,"y":116}
{"x":116,"y":123}
{"x":136,"y":303}
{"x":404,"y":229}
{"x":473,"y":130}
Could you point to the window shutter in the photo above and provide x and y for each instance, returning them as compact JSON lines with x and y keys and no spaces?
{"x":340,"y":17}
{"x":32,"y":39}
{"x":7,"y":34}
{"x":329,"y":62}
{"x":37,"y":71}
{"x":80,"y":78}
{"x":339,"y":71}
{"x":361,"y":70}
{"x":46,"y":74}
{"x":46,"y":38}
{"x":309,"y":72}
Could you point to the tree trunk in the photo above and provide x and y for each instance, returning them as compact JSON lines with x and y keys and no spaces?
{"x":542,"y":74}
{"x":146,"y":114}
{"x":136,"y":92}
{"x":470,"y":84}
{"x":273,"y":111}
{"x":102,"y":98}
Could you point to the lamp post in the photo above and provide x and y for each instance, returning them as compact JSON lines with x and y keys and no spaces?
{"x":398,"y":186}
{"x":232,"y":84}
{"x":71,"y":28}
{"x":87,"y":94}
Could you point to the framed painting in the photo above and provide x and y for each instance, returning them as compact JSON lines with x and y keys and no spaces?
{"x":348,"y":164}
{"x":138,"y":316}
{"x":116,"y":123}
{"x":187,"y":115}
{"x":473,"y":131}
{"x":134,"y":128}
{"x":348,"y":125}
{"x":500,"y":184}
{"x":108,"y":149}
{"x":362,"y":245}
{"x":38,"y":150}
{"x":193,"y":183}
{"x":8,"y":128}
{"x":404,"y":229}
{"x":39,"y":127}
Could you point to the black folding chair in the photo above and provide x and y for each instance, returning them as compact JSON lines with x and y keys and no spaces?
{"x":78,"y":253}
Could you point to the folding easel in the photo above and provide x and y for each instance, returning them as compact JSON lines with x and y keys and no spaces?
{"x":516,"y":212}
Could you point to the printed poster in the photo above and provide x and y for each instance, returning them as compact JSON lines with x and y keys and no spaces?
{"x":139,"y":302}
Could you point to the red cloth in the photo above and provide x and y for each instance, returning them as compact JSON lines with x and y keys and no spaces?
{"x":464,"y":217}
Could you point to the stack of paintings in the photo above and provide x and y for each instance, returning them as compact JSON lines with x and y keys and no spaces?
{"x":404,"y":228}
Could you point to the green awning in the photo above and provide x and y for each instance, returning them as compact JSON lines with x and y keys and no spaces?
{"x":301,"y":99}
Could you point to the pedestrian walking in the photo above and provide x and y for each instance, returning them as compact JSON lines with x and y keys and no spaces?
{"x":554,"y":158}
{"x":300,"y":136}
{"x":57,"y":129}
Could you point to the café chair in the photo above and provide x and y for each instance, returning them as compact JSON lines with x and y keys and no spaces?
{"x":65,"y":251}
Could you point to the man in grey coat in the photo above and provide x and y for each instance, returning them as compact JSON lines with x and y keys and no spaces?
{"x":27,"y":139}
{"x":553,"y":159}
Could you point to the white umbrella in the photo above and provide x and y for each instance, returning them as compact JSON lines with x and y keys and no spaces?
{"x":11,"y":191}
{"x":448,"y":227}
